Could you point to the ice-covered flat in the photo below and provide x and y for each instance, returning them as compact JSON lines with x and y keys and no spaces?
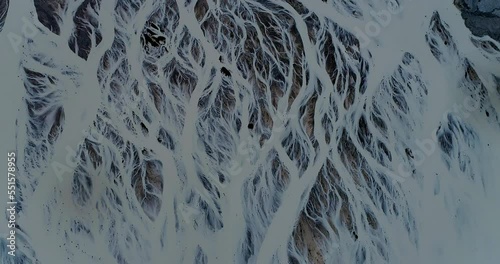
{"x":253,"y":132}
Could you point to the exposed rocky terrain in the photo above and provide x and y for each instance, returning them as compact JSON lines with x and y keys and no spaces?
{"x":482,"y":17}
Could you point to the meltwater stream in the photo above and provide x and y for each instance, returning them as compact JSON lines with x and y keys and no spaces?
{"x":239,"y":131}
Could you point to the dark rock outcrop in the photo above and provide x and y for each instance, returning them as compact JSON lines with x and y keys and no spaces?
{"x":482,"y":17}
{"x":4,"y":7}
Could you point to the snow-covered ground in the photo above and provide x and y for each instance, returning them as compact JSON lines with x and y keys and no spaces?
{"x":251,"y":132}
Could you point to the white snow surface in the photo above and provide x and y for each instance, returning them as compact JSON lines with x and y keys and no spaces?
{"x":363,"y":146}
